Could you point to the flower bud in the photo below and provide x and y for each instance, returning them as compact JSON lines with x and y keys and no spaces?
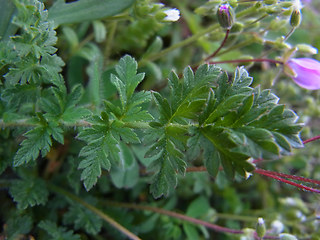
{"x":225,"y":16}
{"x":295,"y":18}
{"x":306,"y":48}
{"x":260,"y":228}
{"x":172,"y":15}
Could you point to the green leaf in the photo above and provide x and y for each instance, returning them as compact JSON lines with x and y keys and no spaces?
{"x":92,"y":53}
{"x":169,"y":162}
{"x":7,"y":10}
{"x":83,"y":219}
{"x":85,"y":10}
{"x":29,"y":192}
{"x":189,"y":94}
{"x":102,"y":149}
{"x":127,"y":78}
{"x":100,"y":31}
{"x":30,"y":53}
{"x":74,"y":114}
{"x":126,"y":134}
{"x":165,"y":180}
{"x":164,"y":107}
{"x":38,"y":141}
{"x":18,"y":225}
{"x":95,"y":157}
{"x":58,"y":233}
{"x":127,"y":174}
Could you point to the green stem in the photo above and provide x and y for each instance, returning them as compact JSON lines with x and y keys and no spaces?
{"x":289,"y":34}
{"x":28,"y":123}
{"x":17,"y":123}
{"x":82,"y":123}
{"x":183,"y":43}
{"x":236,"y":46}
{"x":108,"y":45}
{"x":191,"y":39}
{"x":95,"y":210}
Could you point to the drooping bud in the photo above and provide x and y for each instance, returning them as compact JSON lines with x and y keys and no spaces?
{"x":295,"y":18}
{"x":225,"y":16}
{"x":260,"y":228}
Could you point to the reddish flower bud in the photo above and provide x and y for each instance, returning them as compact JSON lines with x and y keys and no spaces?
{"x":225,"y":16}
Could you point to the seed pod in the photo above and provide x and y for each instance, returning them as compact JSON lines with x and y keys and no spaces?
{"x":295,"y":18}
{"x":225,"y":16}
{"x":260,"y":228}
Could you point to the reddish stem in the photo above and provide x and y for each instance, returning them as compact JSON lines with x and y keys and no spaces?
{"x":283,"y":175}
{"x":214,"y":227}
{"x":311,"y":139}
{"x":278,"y":176}
{"x":221,"y":45}
{"x":287,"y":181}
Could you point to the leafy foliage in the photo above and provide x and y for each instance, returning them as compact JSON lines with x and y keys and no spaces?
{"x":19,"y":225}
{"x":85,"y":10}
{"x":123,"y":128}
{"x":58,"y":232}
{"x":230,"y":130}
{"x":83,"y":218}
{"x":29,"y":192}
{"x":106,"y":131}
{"x":38,"y":141}
{"x":31,"y":56}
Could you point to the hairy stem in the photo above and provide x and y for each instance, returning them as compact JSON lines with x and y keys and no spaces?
{"x":95,"y":210}
{"x":275,"y":176}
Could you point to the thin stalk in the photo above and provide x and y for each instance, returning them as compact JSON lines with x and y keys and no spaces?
{"x":219,"y":48}
{"x":283,"y":175}
{"x":214,"y":227}
{"x":108,"y":45}
{"x":235,"y":217}
{"x":249,"y":60}
{"x":95,"y":210}
{"x":287,"y":181}
{"x":278,"y":176}
{"x":17,"y":123}
{"x":192,"y":220}
{"x":180,"y":44}
{"x":236,"y":46}
{"x":311,"y":139}
{"x":289,"y":34}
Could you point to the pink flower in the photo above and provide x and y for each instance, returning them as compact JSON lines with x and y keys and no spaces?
{"x":306,"y":72}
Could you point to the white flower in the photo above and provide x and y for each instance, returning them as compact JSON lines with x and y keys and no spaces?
{"x":297,"y":4}
{"x":277,"y":227}
{"x":172,"y":15}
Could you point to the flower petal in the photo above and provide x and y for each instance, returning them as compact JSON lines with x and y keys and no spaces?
{"x":307,"y":72}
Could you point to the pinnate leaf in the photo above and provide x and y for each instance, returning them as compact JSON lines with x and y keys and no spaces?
{"x":59,"y":233}
{"x":29,"y":192}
